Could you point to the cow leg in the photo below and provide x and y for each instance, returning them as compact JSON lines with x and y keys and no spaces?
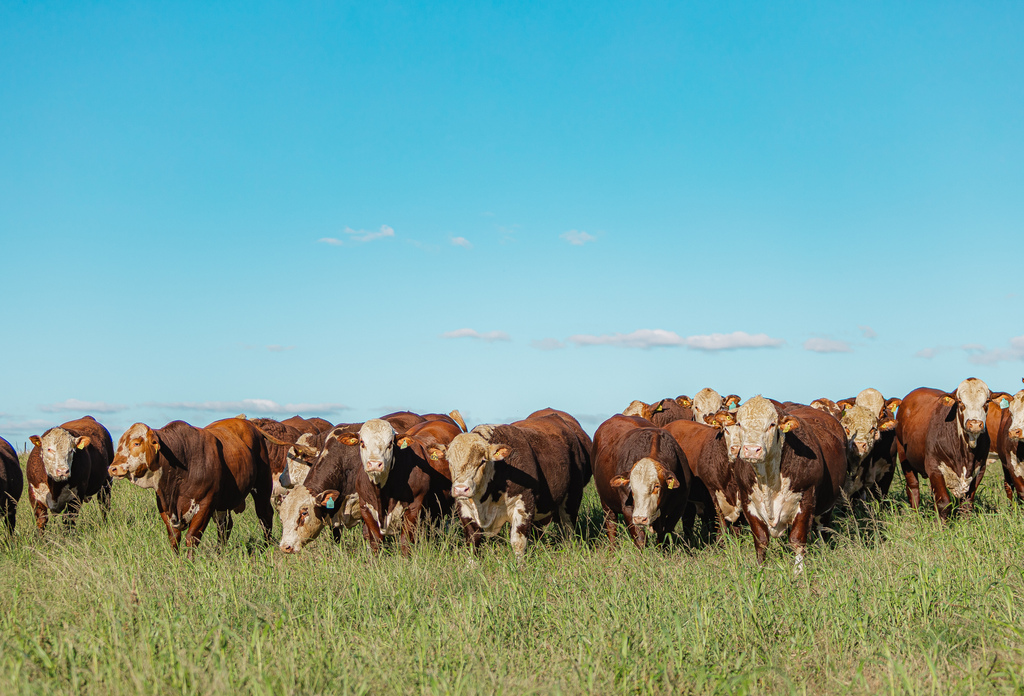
{"x":886,"y":481}
{"x":521,"y":524}
{"x":11,"y":517}
{"x":800,"y":529}
{"x":689,"y":517}
{"x":197,"y":526}
{"x":611,"y":523}
{"x":264,"y":509}
{"x":760,"y":531}
{"x":371,"y":530}
{"x":42,"y":515}
{"x":224,"y":522}
{"x":173,"y":533}
{"x":913,"y":485}
{"x":1013,"y":484}
{"x":103,"y":498}
{"x":71,"y":513}
{"x":474,"y":535}
{"x":941,"y":495}
{"x":409,"y":518}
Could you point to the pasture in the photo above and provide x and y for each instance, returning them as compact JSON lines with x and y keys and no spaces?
{"x":893,"y":603}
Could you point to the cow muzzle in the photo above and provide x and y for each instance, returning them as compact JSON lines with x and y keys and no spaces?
{"x":117,"y":470}
{"x":61,"y":473}
{"x":461,"y":491}
{"x":752,"y":453}
{"x":374,"y":466}
{"x":862,"y":447}
{"x":288,"y":548}
{"x":1016,"y":434}
{"x":974,"y":426}
{"x":642,"y":520}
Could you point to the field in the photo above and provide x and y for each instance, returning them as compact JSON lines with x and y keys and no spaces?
{"x":893,"y":603}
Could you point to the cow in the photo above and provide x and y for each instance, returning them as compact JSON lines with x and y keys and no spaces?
{"x":1010,"y":446}
{"x":942,"y":435}
{"x":663,"y":411}
{"x":708,"y":458}
{"x":707,"y":401}
{"x":870,"y":452}
{"x":281,"y":439}
{"x":11,"y":484}
{"x":308,"y":425}
{"x":829,"y":406}
{"x":66,"y":467}
{"x":199,"y":474}
{"x":641,"y":473}
{"x":306,"y":511}
{"x":790,"y":470}
{"x":522,"y":473}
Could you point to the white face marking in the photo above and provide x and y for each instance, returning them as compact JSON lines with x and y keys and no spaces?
{"x":1016,"y":409}
{"x":645,"y":485}
{"x":470,"y":461}
{"x":957,"y":485}
{"x":972,"y":395}
{"x":730,"y":511}
{"x":706,"y":401}
{"x":300,"y":524}
{"x":636,"y":408}
{"x":377,"y":449}
{"x":135,"y":461}
{"x":777,"y":507}
{"x":872,"y":400}
{"x":760,"y":439}
{"x":57,"y":448}
{"x":861,"y":426}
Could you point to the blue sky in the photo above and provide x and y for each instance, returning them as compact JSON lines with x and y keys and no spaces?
{"x":349,"y":209}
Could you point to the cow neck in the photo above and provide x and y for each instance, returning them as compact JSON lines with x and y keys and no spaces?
{"x":769,"y":471}
{"x":961,"y":432}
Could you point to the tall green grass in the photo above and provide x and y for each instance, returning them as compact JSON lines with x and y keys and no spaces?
{"x":892,"y":603}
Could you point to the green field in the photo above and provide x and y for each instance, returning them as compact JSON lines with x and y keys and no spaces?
{"x":893,"y":603}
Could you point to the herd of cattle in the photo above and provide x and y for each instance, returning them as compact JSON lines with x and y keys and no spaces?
{"x":776,"y":467}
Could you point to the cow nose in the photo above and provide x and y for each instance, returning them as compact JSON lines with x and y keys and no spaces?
{"x":460,"y":491}
{"x":639,"y":519}
{"x":863,"y":447}
{"x":1016,"y":433}
{"x":373,"y":465}
{"x":287,"y":548}
{"x":974,"y":426}
{"x":753,"y":452}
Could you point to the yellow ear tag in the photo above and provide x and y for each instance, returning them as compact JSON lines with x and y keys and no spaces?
{"x":433,"y":456}
{"x":672,"y":484}
{"x":786,"y":427}
{"x":403,"y":443}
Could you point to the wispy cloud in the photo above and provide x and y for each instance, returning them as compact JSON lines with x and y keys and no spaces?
{"x":547,"y":344}
{"x":82,"y":406}
{"x":867,"y":332}
{"x":979,"y":355}
{"x":827,"y":345}
{"x":486,"y":336}
{"x":358,"y":236}
{"x":927,"y":353}
{"x":577,"y":238}
{"x":279,"y":349}
{"x":655,"y":338}
{"x":462,"y":242}
{"x":250,"y":406}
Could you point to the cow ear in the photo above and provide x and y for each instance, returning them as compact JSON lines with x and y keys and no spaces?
{"x":684,"y":401}
{"x":349,"y":439}
{"x":671,"y":481}
{"x":619,"y":482}
{"x":887,"y":425}
{"x":948,"y":400}
{"x":154,"y":442}
{"x":328,"y":499}
{"x":35,"y":440}
{"x":82,"y":441}
{"x":499,"y":452}
{"x":436,"y":452}
{"x":893,"y":404}
{"x":789,"y":424}
{"x":403,"y":443}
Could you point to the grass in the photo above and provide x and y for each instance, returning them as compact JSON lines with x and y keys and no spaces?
{"x":894,"y":603}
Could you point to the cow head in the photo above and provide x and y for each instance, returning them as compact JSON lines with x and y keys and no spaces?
{"x":726,"y":422}
{"x":471,"y":460}
{"x":761,"y":432}
{"x":1016,"y":408}
{"x":298,"y":460}
{"x":302,"y":519}
{"x":862,"y":431}
{"x":872,"y":400}
{"x":970,"y":401}
{"x":647,"y":482}
{"x":376,"y":449}
{"x":136,"y":457}
{"x":57,"y":447}
{"x":828,"y":406}
{"x":706,"y":401}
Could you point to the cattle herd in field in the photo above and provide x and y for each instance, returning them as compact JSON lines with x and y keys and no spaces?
{"x":778,"y":468}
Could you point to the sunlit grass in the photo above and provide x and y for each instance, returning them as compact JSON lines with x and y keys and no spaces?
{"x":892,"y":603}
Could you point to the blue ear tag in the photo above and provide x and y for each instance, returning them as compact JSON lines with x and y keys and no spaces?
{"x":1004,"y":403}
{"x":329,"y":504}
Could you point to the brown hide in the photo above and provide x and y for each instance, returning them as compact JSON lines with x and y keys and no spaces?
{"x":11,"y":484}
{"x":707,"y":455}
{"x":1012,"y":455}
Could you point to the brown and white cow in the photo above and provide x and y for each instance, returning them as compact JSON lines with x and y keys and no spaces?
{"x":280,"y":443}
{"x":1010,"y":446}
{"x":790,"y":470}
{"x":708,"y":457}
{"x":641,"y":473}
{"x":663,"y":411}
{"x":199,"y":474}
{"x":67,"y":467}
{"x":523,"y":474}
{"x":942,"y":435}
{"x":706,"y":402}
{"x":11,"y":484}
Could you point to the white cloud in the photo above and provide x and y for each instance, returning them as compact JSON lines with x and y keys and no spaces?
{"x":577,"y":238}
{"x":927,"y":353}
{"x":251,"y":406}
{"x":487,"y":336}
{"x":979,"y":355}
{"x":279,"y":349}
{"x":547,"y":344}
{"x":462,"y":242}
{"x":868,"y":332}
{"x":654,"y":338}
{"x":826,"y":345}
{"x":359,"y":236}
{"x":83,"y":406}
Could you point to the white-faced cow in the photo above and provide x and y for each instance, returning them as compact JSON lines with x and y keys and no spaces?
{"x":942,"y":435}
{"x":790,"y":470}
{"x":11,"y":484}
{"x":68,"y":466}
{"x":1010,"y":446}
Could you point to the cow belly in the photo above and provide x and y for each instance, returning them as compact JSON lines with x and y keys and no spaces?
{"x":776,"y":508}
{"x":489,"y":516}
